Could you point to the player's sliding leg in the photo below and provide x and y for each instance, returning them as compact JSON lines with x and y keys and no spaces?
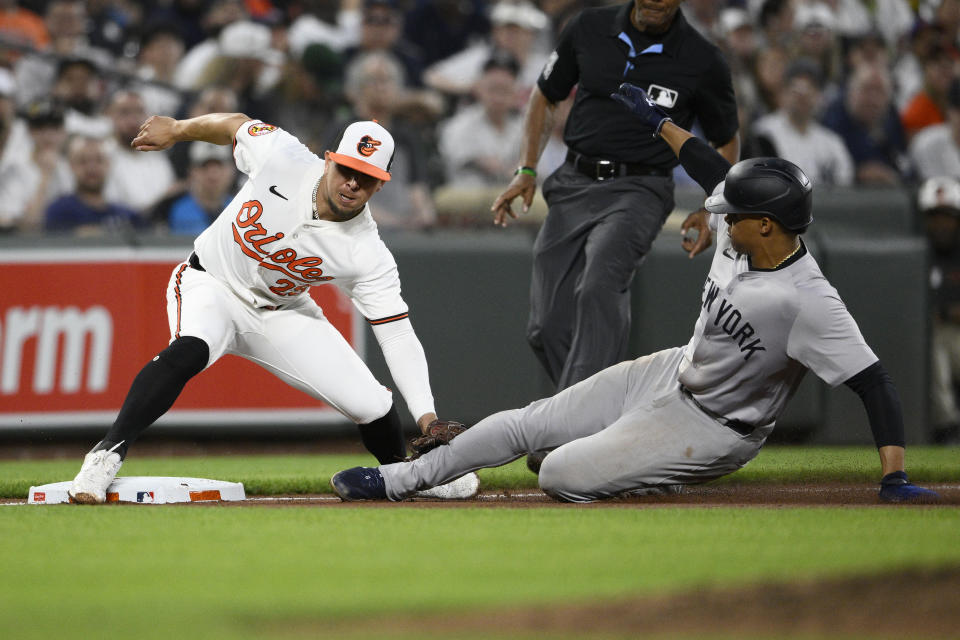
{"x":493,"y":441}
{"x":574,"y":413}
{"x":151,"y":394}
{"x":662,"y":443}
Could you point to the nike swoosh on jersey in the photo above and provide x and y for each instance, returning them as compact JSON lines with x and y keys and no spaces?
{"x":273,"y":190}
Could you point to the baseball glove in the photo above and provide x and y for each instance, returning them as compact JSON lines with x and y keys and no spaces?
{"x":439,"y":432}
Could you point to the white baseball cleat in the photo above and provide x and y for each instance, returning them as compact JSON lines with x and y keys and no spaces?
{"x":97,"y":473}
{"x":460,"y":489}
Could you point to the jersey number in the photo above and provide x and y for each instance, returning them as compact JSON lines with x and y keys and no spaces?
{"x":285,"y":287}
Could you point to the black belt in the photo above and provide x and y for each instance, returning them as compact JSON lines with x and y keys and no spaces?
{"x":739,"y":426}
{"x":599,"y":169}
{"x":194,"y":262}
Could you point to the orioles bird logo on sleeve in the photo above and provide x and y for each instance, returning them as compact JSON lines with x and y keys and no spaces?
{"x":367,"y":146}
{"x":260,"y":129}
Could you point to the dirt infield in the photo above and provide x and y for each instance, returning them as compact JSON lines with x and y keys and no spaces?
{"x":910,"y":604}
{"x":730,"y":495}
{"x":726,"y":495}
{"x":710,"y":495}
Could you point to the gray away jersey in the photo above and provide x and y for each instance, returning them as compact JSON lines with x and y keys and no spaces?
{"x":759,"y":331}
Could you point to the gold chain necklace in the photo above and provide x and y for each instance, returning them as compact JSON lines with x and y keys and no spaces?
{"x":790,"y":255}
{"x":316,"y":216}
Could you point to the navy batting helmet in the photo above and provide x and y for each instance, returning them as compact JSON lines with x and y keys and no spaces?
{"x":770,"y":186}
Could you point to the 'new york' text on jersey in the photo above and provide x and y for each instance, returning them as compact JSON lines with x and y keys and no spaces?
{"x":759,"y":331}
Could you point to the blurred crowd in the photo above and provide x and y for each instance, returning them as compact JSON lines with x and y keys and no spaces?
{"x":856,"y":92}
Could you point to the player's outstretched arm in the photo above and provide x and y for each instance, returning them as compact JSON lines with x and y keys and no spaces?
{"x":702,"y":162}
{"x":882,"y":404}
{"x":161,"y":132}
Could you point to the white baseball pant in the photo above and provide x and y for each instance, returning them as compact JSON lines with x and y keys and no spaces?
{"x":296,"y":342}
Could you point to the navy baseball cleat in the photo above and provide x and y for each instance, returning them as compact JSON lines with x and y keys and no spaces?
{"x":359,"y":483}
{"x":896,"y":487}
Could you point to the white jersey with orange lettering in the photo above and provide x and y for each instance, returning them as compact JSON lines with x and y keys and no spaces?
{"x":257,"y":260}
{"x":760,"y":330}
{"x":267,"y":247}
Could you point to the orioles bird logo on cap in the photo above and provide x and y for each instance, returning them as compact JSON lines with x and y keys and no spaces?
{"x":367,"y":146}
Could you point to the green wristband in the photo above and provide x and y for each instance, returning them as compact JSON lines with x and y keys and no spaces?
{"x":530,"y":171}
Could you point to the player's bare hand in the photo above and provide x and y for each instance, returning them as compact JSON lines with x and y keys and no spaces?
{"x":697,"y":221}
{"x":522,"y":185}
{"x":157,"y":133}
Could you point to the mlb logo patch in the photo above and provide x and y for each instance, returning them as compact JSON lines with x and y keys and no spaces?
{"x":664,"y":97}
{"x":145,"y":496}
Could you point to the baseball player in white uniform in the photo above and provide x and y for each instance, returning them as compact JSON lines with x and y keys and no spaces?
{"x":693,"y":413}
{"x":298,"y":221}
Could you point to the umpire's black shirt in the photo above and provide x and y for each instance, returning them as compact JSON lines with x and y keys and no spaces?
{"x":680,"y":69}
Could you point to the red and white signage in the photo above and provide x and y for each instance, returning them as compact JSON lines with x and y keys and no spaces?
{"x":77,"y":325}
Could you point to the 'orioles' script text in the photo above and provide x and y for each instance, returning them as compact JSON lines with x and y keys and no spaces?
{"x":296,"y":273}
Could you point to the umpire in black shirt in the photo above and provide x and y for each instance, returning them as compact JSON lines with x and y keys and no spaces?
{"x":610,"y":198}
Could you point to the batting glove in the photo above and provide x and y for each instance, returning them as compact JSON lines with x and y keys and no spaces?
{"x":896,"y":487}
{"x":639,"y":103}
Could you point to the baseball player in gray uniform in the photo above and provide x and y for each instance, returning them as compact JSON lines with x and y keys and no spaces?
{"x":298,"y":221}
{"x":693,"y":413}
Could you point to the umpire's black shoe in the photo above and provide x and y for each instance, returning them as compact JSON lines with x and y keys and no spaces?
{"x":535,"y":459}
{"x":359,"y":483}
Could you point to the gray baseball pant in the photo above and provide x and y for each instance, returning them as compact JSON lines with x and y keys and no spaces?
{"x":626,"y":428}
{"x":595,"y":236}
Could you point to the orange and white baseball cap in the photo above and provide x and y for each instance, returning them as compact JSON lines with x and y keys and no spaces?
{"x":367,"y":147}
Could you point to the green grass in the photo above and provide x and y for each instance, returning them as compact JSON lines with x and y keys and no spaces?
{"x":778,"y":464}
{"x":226,"y":572}
{"x":264,"y":475}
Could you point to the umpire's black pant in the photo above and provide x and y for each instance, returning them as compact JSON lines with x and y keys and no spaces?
{"x":596,"y":234}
